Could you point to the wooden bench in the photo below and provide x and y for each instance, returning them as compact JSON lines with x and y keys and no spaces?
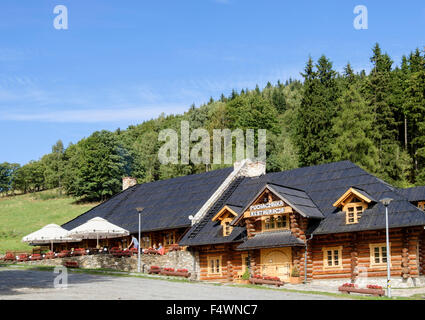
{"x":49,"y":255}
{"x":276,"y":283}
{"x":154,"y":270}
{"x":374,"y":292}
{"x":178,"y":273}
{"x":36,"y":257}
{"x":79,"y":252}
{"x":9,"y":257}
{"x":64,"y":253}
{"x":71,"y":264}
{"x":23,"y":257}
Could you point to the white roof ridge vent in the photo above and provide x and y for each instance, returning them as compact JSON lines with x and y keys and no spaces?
{"x":245,"y":168}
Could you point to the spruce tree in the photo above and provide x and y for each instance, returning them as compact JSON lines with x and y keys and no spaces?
{"x":314,"y":135}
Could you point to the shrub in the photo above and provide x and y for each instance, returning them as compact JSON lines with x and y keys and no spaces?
{"x":246,"y":275}
{"x":295,"y":272}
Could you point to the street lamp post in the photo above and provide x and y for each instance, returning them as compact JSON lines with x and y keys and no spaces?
{"x":386,"y":202}
{"x":139,"y":210}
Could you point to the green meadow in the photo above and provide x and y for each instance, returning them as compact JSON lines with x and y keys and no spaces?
{"x":23,"y":214}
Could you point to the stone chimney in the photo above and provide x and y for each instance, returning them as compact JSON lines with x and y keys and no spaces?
{"x":250,"y":169}
{"x":128,"y":182}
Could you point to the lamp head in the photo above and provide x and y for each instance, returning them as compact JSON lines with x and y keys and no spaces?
{"x":191,"y":217}
{"x":139,"y":209}
{"x":386,"y":201}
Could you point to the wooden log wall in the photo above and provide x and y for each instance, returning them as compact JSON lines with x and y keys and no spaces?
{"x":407,"y":256}
{"x":422,"y":253}
{"x":231,"y":262}
{"x":354,"y":258}
{"x":356,"y":253}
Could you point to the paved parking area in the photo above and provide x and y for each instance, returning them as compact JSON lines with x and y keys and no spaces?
{"x":31,"y":284}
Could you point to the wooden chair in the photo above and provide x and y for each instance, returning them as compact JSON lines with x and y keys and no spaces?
{"x":23,"y":257}
{"x":9,"y":257}
{"x":64,"y":253}
{"x":35,"y":257}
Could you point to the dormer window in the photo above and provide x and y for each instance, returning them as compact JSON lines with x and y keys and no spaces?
{"x":354,"y":212}
{"x":271,"y":223}
{"x":225,"y":216}
{"x":353,"y":202}
{"x":227,"y":228}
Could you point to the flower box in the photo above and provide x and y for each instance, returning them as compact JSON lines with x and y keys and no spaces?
{"x":154,"y":270}
{"x":295,"y":280}
{"x":242,"y":281}
{"x":126,"y":253}
{"x":348,"y":288}
{"x":266,"y":280}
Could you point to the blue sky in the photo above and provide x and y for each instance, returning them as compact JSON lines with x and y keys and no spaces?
{"x":122,"y":62}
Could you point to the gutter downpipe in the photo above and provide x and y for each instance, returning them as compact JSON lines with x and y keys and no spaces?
{"x":305,"y":258}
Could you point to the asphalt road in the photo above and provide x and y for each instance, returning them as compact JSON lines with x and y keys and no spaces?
{"x":39,"y":285}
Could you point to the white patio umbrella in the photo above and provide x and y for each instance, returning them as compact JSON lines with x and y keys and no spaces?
{"x":98,"y":228}
{"x":52,"y":233}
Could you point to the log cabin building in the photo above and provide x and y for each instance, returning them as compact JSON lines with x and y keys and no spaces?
{"x":322,"y":222}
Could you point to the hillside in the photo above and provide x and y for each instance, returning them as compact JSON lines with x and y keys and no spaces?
{"x":23,"y":214}
{"x":374,"y":119}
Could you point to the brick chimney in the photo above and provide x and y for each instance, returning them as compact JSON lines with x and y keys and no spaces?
{"x":128,"y":182}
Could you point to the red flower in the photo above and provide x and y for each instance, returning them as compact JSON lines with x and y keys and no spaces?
{"x":372,"y":286}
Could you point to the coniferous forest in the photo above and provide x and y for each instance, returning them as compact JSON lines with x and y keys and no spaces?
{"x":375,"y":119}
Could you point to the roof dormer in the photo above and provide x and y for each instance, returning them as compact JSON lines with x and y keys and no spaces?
{"x":226,"y":216}
{"x":353,"y":202}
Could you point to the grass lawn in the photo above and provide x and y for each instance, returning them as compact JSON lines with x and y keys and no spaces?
{"x":23,"y":214}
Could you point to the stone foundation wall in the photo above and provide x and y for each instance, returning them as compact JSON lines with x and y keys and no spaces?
{"x":176,"y":259}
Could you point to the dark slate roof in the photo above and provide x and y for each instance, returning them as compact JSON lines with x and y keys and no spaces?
{"x":297,"y":199}
{"x":211,"y":232}
{"x":413,"y":194}
{"x":365,"y":194}
{"x":270,"y":240}
{"x":324,"y":184}
{"x":167,"y":203}
{"x":236,"y":209}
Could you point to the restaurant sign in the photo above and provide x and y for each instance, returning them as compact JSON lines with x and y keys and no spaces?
{"x":275,"y":207}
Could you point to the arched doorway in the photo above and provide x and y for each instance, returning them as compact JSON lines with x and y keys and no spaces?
{"x":276,"y":262}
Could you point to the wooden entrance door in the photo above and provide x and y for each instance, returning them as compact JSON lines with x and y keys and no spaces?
{"x":276,"y":263}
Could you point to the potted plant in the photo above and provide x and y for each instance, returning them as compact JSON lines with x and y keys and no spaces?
{"x":245,"y":277}
{"x":295,"y":276}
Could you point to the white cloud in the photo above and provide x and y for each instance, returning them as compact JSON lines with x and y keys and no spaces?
{"x":95,"y":115}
